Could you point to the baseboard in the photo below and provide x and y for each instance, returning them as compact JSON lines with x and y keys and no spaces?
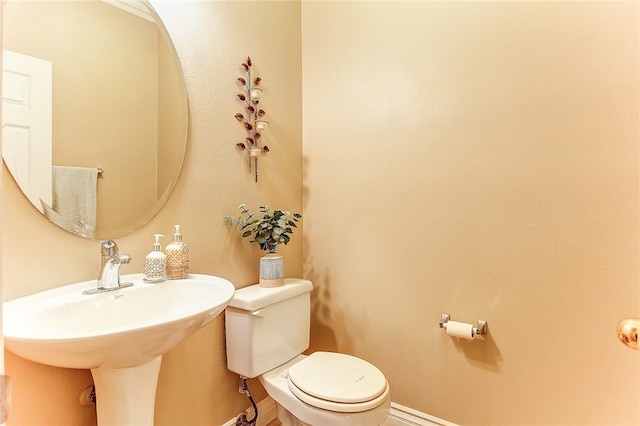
{"x":409,"y":416}
{"x":399,"y":413}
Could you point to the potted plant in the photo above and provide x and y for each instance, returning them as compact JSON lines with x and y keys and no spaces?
{"x":273,"y":228}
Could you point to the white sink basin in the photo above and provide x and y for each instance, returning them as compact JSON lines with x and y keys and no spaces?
{"x":120,"y":335}
{"x":122,"y":328}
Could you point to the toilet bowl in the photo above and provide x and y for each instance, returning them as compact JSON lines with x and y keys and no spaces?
{"x":267,"y":330}
{"x":296,"y":411}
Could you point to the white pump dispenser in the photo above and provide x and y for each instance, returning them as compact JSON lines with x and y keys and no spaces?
{"x":155,"y":265}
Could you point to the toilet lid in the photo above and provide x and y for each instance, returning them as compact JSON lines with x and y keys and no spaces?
{"x":338,"y":382}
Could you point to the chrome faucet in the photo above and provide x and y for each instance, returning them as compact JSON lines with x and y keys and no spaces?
{"x":109,"y":276}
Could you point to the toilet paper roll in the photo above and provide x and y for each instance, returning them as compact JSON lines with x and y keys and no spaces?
{"x":460,"y":329}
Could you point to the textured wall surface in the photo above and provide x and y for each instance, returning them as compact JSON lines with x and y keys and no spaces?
{"x":480,"y":159}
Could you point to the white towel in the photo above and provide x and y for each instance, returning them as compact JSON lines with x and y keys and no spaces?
{"x":75,"y":198}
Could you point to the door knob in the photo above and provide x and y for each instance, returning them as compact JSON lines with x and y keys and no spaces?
{"x":628,"y":330}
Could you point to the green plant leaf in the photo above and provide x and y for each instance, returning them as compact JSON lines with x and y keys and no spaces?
{"x":272,"y":228}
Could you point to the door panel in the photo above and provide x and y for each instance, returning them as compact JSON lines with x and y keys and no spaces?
{"x":27,"y":123}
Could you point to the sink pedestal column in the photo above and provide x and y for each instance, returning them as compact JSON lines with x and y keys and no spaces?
{"x":126,"y":396}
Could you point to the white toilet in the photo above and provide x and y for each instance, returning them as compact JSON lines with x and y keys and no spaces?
{"x":267,"y":329}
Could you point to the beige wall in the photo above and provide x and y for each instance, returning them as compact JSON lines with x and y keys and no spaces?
{"x":195,"y":387}
{"x":480,"y":159}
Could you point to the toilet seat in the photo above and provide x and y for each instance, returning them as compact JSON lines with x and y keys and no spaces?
{"x":337,"y":382}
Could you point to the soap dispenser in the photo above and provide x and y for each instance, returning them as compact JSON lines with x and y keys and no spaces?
{"x":177,"y":257}
{"x":155,"y":265}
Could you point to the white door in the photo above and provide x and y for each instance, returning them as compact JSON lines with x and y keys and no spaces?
{"x":27,"y":124}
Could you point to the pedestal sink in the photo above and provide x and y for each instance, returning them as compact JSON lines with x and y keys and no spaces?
{"x":120,"y":335}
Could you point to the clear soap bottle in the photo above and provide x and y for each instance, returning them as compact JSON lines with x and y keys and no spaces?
{"x":155,"y":265}
{"x":177,"y":257}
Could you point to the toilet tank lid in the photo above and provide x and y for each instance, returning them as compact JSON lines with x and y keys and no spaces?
{"x":255,"y":297}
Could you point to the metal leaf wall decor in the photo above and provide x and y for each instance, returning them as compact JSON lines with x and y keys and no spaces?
{"x":252,"y":118}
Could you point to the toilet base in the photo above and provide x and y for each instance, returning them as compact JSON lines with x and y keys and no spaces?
{"x":286,"y":418}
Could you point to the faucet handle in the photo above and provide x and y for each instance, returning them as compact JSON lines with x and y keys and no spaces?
{"x":108,"y":248}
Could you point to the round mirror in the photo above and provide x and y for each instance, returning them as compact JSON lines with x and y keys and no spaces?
{"x":95,"y":112}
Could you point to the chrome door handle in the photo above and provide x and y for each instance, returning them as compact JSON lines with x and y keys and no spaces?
{"x":628,"y":330}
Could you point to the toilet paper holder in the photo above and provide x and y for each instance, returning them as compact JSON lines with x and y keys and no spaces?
{"x":480,"y":327}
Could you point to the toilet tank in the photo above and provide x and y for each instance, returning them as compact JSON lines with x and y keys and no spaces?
{"x":266,"y":327}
